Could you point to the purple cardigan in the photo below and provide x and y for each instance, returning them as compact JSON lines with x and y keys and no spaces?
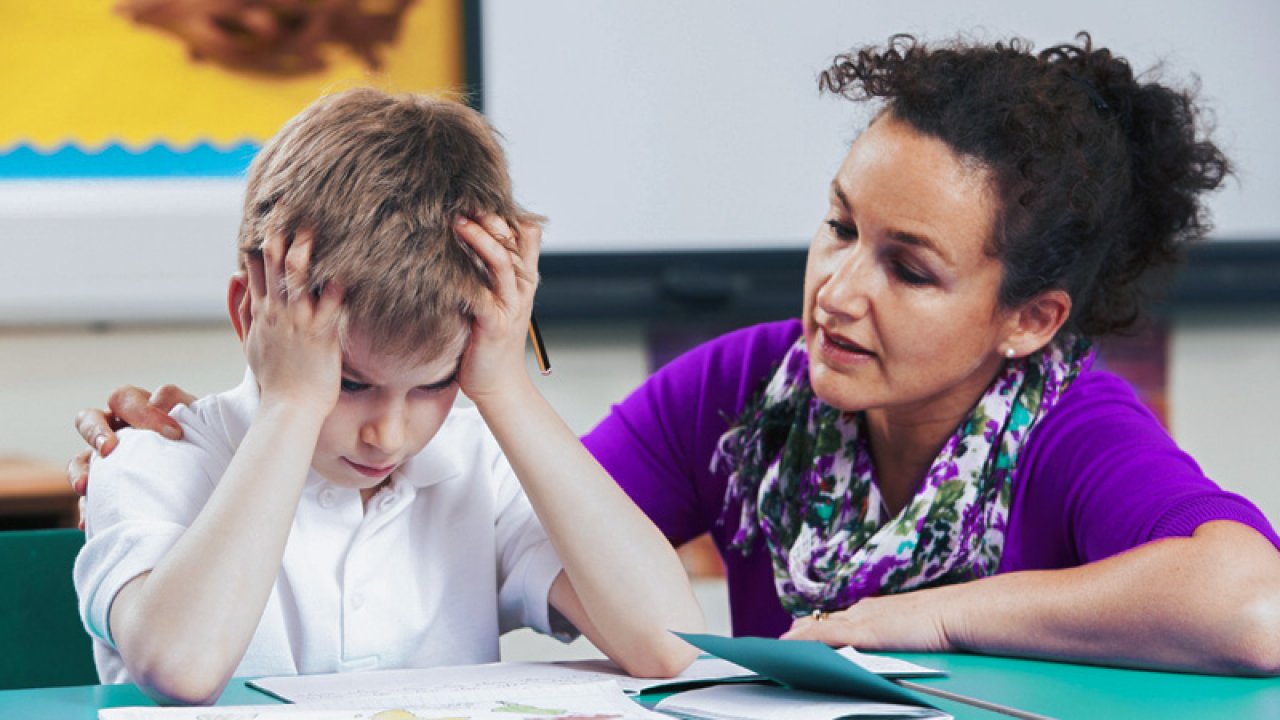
{"x":1099,"y":475}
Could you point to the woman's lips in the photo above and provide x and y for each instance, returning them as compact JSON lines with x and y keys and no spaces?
{"x":840,"y":350}
{"x":368,"y":471}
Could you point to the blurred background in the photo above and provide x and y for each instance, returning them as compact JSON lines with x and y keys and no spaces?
{"x":681,"y":151}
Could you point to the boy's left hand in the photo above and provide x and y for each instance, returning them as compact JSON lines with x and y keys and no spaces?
{"x":495,"y":356}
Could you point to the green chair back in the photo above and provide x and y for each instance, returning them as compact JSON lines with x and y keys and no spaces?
{"x":42,"y":641}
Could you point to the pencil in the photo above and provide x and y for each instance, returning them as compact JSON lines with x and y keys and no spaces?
{"x":539,"y":348}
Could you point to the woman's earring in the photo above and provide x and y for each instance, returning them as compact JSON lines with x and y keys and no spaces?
{"x":1010,"y":352}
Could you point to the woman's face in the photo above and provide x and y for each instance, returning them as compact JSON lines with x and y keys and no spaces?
{"x":900,"y":309}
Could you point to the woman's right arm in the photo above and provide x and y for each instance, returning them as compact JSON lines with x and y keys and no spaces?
{"x":1172,"y":573}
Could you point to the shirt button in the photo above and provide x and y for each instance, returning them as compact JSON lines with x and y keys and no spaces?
{"x":327,"y":497}
{"x":357,"y":601}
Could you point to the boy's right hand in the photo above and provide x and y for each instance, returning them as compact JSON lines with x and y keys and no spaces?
{"x":131,"y":406}
{"x":290,"y":334}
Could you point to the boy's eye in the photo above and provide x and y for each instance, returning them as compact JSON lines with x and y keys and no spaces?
{"x":437,"y":387}
{"x":352,"y":386}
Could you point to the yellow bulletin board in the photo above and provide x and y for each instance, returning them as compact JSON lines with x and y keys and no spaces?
{"x":126,"y":127}
{"x":91,"y":90}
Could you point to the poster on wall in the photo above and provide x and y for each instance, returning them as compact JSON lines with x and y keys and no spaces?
{"x":128,"y":126}
{"x":191,"y":88}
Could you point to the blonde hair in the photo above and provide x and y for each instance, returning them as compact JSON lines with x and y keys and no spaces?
{"x":379,"y":180}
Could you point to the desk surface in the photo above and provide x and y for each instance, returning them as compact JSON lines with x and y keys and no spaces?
{"x":1054,"y":689}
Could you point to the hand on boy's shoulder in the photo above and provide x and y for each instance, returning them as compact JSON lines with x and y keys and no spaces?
{"x":127,"y":406}
{"x":151,"y":478}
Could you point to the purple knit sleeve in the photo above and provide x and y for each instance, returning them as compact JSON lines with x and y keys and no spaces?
{"x":1101,"y":476}
{"x":658,"y":442}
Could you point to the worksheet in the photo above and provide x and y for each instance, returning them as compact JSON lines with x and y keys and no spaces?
{"x":561,"y":701}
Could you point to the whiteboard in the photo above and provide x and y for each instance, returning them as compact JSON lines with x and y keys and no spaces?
{"x":670,"y":124}
{"x":96,"y":251}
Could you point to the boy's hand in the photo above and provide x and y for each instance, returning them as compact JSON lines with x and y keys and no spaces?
{"x":291,"y":336}
{"x":495,"y":357}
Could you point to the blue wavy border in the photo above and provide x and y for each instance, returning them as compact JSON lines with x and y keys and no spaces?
{"x":117,"y":161}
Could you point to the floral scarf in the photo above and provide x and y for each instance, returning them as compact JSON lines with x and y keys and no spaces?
{"x":801,"y":474}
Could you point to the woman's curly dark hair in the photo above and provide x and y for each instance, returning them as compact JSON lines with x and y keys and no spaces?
{"x":1099,"y":173}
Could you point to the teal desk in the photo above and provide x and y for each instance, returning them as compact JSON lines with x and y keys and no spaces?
{"x":1066,"y":691}
{"x":84,"y":701}
{"x":1053,"y":689}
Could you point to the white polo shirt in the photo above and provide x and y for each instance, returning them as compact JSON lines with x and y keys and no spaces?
{"x":448,"y":556}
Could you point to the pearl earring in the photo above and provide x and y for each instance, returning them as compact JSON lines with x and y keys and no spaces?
{"x":1010,"y":352}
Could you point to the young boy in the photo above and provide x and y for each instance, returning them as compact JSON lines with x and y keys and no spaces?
{"x":335,"y":511}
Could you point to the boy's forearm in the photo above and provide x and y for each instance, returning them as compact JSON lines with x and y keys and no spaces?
{"x":185,"y":627}
{"x":623,"y":570}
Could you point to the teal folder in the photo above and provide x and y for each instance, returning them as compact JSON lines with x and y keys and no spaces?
{"x":804,"y":665}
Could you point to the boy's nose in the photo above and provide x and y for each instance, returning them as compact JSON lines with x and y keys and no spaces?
{"x":385,"y":432}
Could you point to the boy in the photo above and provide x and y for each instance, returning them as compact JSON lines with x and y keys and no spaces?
{"x":335,"y":512}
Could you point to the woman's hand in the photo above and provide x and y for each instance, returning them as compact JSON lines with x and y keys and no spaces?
{"x":290,"y":334}
{"x":128,"y":406}
{"x":911,"y":621}
{"x":494,"y":359}
{"x":1209,"y":603}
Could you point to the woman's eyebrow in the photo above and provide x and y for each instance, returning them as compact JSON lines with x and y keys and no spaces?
{"x":838,"y":194}
{"x":923,"y":242}
{"x":902,"y":236}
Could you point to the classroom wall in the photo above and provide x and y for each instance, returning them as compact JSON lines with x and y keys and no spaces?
{"x":1224,"y":388}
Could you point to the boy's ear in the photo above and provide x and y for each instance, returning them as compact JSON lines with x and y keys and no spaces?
{"x":1034,"y":325}
{"x":238,"y":304}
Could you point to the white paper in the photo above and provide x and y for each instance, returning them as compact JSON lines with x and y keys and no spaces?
{"x":395,"y":688}
{"x":888,"y":666}
{"x":768,"y":702}
{"x":492,"y":702}
{"x":704,"y":669}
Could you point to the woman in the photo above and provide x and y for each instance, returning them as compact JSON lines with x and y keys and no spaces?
{"x":927,"y":460}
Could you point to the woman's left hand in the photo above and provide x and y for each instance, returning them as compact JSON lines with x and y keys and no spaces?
{"x":910,"y":621}
{"x":495,"y":355}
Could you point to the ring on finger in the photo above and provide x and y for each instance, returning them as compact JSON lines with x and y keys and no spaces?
{"x":819,"y":615}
